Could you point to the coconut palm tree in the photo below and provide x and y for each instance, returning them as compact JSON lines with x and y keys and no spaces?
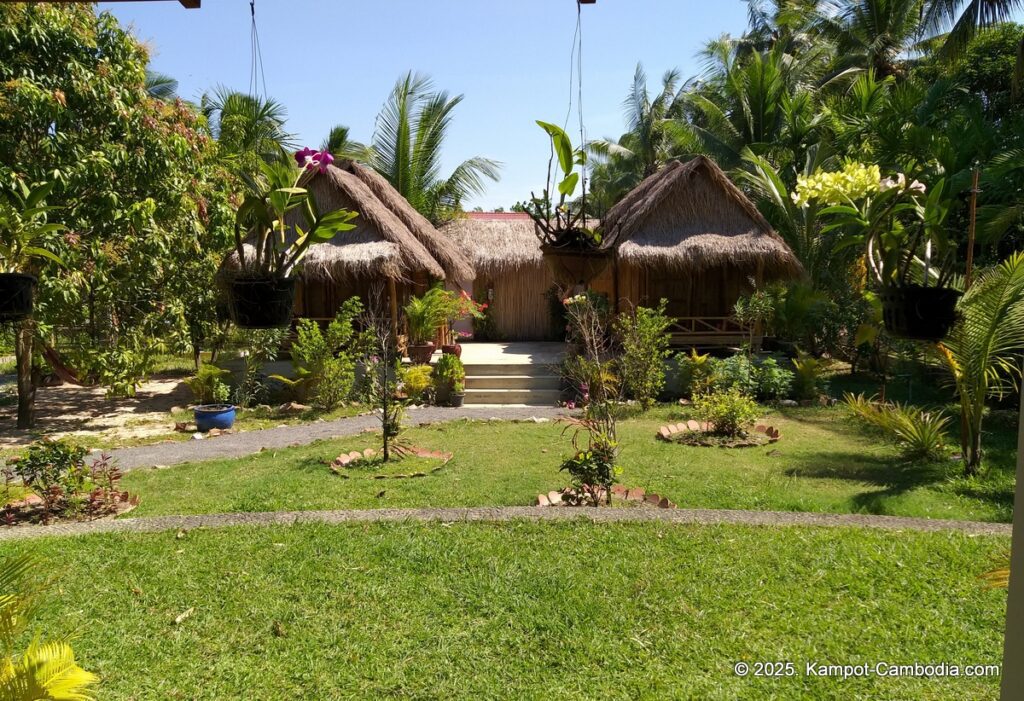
{"x":964,"y":18}
{"x":873,"y":34}
{"x":246,"y":126}
{"x":161,"y":86}
{"x":983,"y":350}
{"x":407,"y":145}
{"x":339,"y":145}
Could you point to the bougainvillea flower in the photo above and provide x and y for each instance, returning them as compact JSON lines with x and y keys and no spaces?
{"x":303,"y":157}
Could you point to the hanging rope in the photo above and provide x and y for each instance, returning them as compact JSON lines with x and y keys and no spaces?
{"x":256,"y":72}
{"x":576,"y":90}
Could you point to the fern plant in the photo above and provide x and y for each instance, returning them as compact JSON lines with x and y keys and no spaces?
{"x":45,"y":670}
{"x":919,"y":434}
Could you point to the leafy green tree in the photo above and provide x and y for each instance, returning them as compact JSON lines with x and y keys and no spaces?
{"x":138,"y":180}
{"x":339,"y":145}
{"x":411,"y":132}
{"x":248,"y":128}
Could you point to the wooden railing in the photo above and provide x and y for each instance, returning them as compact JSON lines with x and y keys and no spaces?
{"x":710,"y":331}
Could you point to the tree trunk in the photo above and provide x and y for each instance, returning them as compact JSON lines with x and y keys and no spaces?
{"x":970,"y":440}
{"x":24,"y":336}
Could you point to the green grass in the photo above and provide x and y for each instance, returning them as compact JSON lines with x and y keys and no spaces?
{"x":520,"y":610}
{"x":825,"y":462}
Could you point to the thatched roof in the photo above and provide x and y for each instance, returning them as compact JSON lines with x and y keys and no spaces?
{"x":496,"y":242}
{"x":689,"y":217}
{"x":456,"y":265}
{"x":380,"y":243}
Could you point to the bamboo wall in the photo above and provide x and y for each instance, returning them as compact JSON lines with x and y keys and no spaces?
{"x":518,"y":302}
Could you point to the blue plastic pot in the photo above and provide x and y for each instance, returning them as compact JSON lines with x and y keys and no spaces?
{"x":210,"y":416}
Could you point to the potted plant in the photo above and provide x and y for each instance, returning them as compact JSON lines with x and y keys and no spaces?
{"x":571,"y":248}
{"x":902,"y":228}
{"x":24,"y":230}
{"x":460,"y":307}
{"x":211,"y":393}
{"x":263,"y":292}
{"x":458,"y":395}
{"x":449,"y":378}
{"x":424,"y":316}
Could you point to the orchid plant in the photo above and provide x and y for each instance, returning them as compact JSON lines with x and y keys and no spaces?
{"x":558,"y":223}
{"x":899,"y":222}
{"x":25,"y":228}
{"x":261,"y":219}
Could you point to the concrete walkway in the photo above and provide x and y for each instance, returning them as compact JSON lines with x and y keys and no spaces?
{"x":703,"y":517}
{"x":248,"y":442}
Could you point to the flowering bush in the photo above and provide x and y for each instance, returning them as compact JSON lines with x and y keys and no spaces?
{"x":855,"y":181}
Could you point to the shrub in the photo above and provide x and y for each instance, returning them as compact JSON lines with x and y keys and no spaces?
{"x":729,"y":412}
{"x":208,"y":386}
{"x":416,"y":381}
{"x":590,"y":378}
{"x":325,"y":367}
{"x":261,"y":346}
{"x":695,"y":370}
{"x":55,"y":471}
{"x":448,"y":372}
{"x":737,"y":372}
{"x":645,"y":341}
{"x":807,"y":382}
{"x":773,"y":382}
{"x":593,"y":467}
{"x":918,"y":434}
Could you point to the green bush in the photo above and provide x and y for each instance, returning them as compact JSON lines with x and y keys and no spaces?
{"x":51,"y":467}
{"x":918,"y":434}
{"x":807,"y":381}
{"x":448,"y":373}
{"x":208,"y":385}
{"x":695,"y":371}
{"x":729,"y":412}
{"x":417,"y":381}
{"x":737,"y":372}
{"x":645,"y":339}
{"x":773,"y":382}
{"x":324,"y":362}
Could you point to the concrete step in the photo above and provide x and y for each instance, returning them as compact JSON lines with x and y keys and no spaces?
{"x":530,"y":397}
{"x":492,"y":370}
{"x":532,"y":382}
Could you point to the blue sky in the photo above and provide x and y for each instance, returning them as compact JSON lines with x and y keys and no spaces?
{"x":335,"y":61}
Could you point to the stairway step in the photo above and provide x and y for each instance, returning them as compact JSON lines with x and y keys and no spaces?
{"x":520,"y":369}
{"x":535,"y":397}
{"x":531,"y":382}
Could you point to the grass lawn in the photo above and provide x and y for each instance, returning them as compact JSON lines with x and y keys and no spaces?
{"x":520,"y":610}
{"x":824,"y":462}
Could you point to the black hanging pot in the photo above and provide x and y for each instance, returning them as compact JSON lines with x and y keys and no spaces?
{"x":16,"y":296}
{"x":262,"y":303}
{"x":919,"y":313}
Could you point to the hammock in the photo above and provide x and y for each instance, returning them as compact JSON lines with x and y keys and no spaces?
{"x":59,"y":368}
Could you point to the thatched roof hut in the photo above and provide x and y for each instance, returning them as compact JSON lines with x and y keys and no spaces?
{"x":496,"y":242}
{"x":689,"y":217}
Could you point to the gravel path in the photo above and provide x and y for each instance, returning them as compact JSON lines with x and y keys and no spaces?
{"x":506,"y":513}
{"x":248,"y":442}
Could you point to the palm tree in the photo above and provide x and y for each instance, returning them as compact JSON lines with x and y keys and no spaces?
{"x":46,"y":670}
{"x":964,"y":18}
{"x":161,"y":86}
{"x":339,"y":145}
{"x":410,"y":134}
{"x":983,"y":350}
{"x":653,"y":138}
{"x":246,"y":126}
{"x":873,"y":34}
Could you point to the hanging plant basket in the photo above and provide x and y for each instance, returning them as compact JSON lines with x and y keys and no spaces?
{"x":262,"y":303}
{"x":571,"y":265}
{"x":919,"y":313}
{"x":16,"y":292}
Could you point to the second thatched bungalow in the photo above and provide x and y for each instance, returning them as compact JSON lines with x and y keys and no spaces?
{"x":685,"y":234}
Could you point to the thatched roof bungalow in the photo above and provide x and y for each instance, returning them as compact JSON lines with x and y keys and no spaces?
{"x":392,"y":243}
{"x":685,"y":234}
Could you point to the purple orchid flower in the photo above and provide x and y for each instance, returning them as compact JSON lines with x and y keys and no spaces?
{"x":304,"y":156}
{"x":322,"y":159}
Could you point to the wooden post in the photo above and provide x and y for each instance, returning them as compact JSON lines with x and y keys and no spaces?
{"x":615,"y":281}
{"x":393,"y":294}
{"x":1013,"y":643}
{"x":970,"y":230}
{"x":24,"y":336}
